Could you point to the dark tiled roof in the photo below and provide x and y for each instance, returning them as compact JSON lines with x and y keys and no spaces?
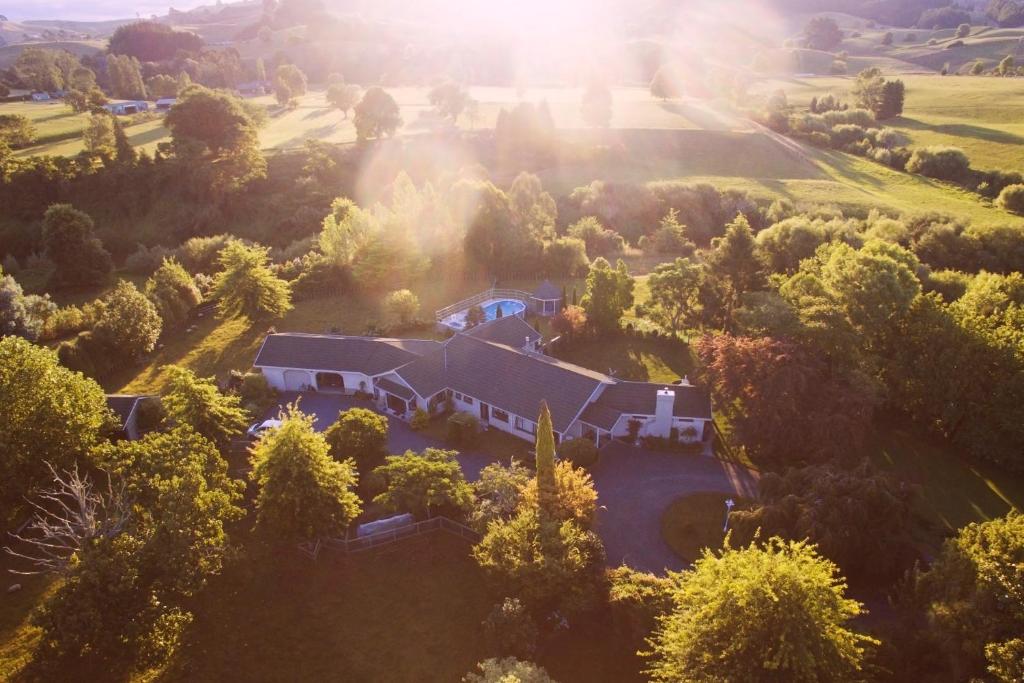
{"x":425,"y":374}
{"x":122,"y":405}
{"x":547,"y":290}
{"x":510,"y":331}
{"x":395,"y":388}
{"x":327,"y":352}
{"x":517,"y":382}
{"x":640,"y":398}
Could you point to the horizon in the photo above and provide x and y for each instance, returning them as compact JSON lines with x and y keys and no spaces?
{"x":95,"y":10}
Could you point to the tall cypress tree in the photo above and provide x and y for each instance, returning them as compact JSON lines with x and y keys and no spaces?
{"x":545,"y":463}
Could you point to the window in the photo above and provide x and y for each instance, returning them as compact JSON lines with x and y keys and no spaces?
{"x":499,"y":415}
{"x":467,"y":399}
{"x":525,"y":425}
{"x":458,"y":396}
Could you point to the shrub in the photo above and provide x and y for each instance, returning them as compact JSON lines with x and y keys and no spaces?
{"x":256,"y":389}
{"x":942,"y":163}
{"x":402,"y":305}
{"x":144,"y":260}
{"x":581,"y":452}
{"x":199,"y":254}
{"x":637,"y":600}
{"x":963,"y":30}
{"x":857,"y":117}
{"x":420,"y":420}
{"x":463,"y":429}
{"x":846,"y":134}
{"x":820,"y":139}
{"x":1012,"y":199}
{"x":509,"y":630}
{"x":950,"y":284}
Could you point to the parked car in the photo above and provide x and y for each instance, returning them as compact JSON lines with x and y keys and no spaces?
{"x":261,"y":428}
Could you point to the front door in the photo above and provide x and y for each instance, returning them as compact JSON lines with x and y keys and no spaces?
{"x":485,"y":412}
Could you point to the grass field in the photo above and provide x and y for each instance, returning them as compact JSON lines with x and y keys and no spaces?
{"x":982,"y":115}
{"x":411,"y":612}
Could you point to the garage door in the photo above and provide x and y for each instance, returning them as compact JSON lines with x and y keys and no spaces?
{"x":296,"y":380}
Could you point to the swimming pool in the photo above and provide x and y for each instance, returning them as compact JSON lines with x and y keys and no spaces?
{"x":457,"y":321}
{"x":507,"y":306}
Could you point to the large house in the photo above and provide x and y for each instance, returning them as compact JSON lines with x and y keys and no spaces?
{"x":494,"y":371}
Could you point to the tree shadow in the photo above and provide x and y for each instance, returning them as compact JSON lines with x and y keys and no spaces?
{"x":965,"y":130}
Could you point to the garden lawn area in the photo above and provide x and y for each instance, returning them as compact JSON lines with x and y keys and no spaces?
{"x":695,"y":522}
{"x":632,"y":358}
{"x":954,"y":492}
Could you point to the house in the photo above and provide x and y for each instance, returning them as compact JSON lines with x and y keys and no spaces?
{"x":126,"y":408}
{"x":126,"y":108}
{"x":40,"y":97}
{"x":493,"y":371}
{"x":253,"y":88}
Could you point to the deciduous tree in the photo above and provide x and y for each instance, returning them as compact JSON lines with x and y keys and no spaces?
{"x":303,"y":493}
{"x":425,"y":483}
{"x":609,"y":293}
{"x":130,"y":323}
{"x":673,"y":298}
{"x":361,"y":435}
{"x":173,"y":291}
{"x":376,"y":115}
{"x":70,"y":242}
{"x":197,"y":402}
{"x":793,"y":626}
{"x":342,"y":96}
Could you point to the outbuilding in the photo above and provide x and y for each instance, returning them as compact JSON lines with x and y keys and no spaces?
{"x":547,"y":299}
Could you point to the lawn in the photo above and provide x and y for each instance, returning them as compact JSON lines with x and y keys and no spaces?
{"x":953,"y":491}
{"x":632,"y":358}
{"x":695,"y":522}
{"x":982,"y":115}
{"x":409,"y":612}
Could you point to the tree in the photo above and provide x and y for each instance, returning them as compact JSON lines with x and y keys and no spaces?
{"x":424,"y":483}
{"x":508,"y":670}
{"x":733,"y":258}
{"x":151,"y":41}
{"x":596,"y":107}
{"x":449,"y":100}
{"x":673,"y":288}
{"x":129,"y":323}
{"x":376,"y":115}
{"x":666,"y":83}
{"x":361,"y":435}
{"x":197,"y":402}
{"x":98,"y":135}
{"x":345,"y":230}
{"x":669,"y":238}
{"x":402,"y":304}
{"x":124,"y":596}
{"x":125,"y":75}
{"x":882,"y":98}
{"x":822,"y":33}
{"x":943,"y":163}
{"x":609,"y":293}
{"x":565,"y":256}
{"x":173,"y":291}
{"x":70,"y":242}
{"x":544,"y":462}
{"x":503,"y":237}
{"x":38,"y":70}
{"x":1005,"y":67}
{"x":793,"y":625}
{"x":780,"y":389}
{"x":1011,"y":198}
{"x":342,"y":96}
{"x":16,"y":130}
{"x":246,"y":287}
{"x":547,"y":565}
{"x":52,"y":415}
{"x":290,"y":79}
{"x":570,"y":323}
{"x":216,"y":124}
{"x":859,"y":517}
{"x":162,"y":85}
{"x":572,"y":497}
{"x":963,"y":30}
{"x":303,"y":494}
{"x":499,"y":491}
{"x":20,"y":314}
{"x":975,"y":595}
{"x":600,"y":241}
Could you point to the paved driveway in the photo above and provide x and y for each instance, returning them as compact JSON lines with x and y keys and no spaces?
{"x":401,"y":437}
{"x":634,"y":488}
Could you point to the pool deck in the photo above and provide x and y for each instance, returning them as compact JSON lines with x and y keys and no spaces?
{"x":456,"y":321}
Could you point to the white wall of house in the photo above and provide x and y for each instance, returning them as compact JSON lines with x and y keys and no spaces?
{"x":292,"y":379}
{"x":649,"y":426}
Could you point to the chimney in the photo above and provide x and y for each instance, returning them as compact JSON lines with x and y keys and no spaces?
{"x":526,"y":346}
{"x":663,"y":412}
{"x":685,"y":381}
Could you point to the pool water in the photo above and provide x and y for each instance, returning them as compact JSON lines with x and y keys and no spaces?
{"x":508,"y":307}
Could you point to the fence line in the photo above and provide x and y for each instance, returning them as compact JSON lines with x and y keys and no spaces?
{"x":492,"y":293}
{"x":379,"y":540}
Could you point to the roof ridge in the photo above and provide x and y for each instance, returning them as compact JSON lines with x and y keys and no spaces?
{"x":550,"y":360}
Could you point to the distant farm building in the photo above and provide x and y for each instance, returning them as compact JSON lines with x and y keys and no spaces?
{"x":165,"y":103}
{"x":126,"y":108}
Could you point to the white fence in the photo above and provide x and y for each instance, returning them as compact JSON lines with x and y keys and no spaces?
{"x":384,"y":538}
{"x":492,"y":293}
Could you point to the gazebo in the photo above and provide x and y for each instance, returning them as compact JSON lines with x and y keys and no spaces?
{"x":546,"y":299}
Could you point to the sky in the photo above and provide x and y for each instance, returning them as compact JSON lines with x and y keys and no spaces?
{"x":88,"y":10}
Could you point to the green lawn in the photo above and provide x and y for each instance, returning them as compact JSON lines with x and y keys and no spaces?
{"x":409,"y":612}
{"x":695,"y":522}
{"x":631,"y":358}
